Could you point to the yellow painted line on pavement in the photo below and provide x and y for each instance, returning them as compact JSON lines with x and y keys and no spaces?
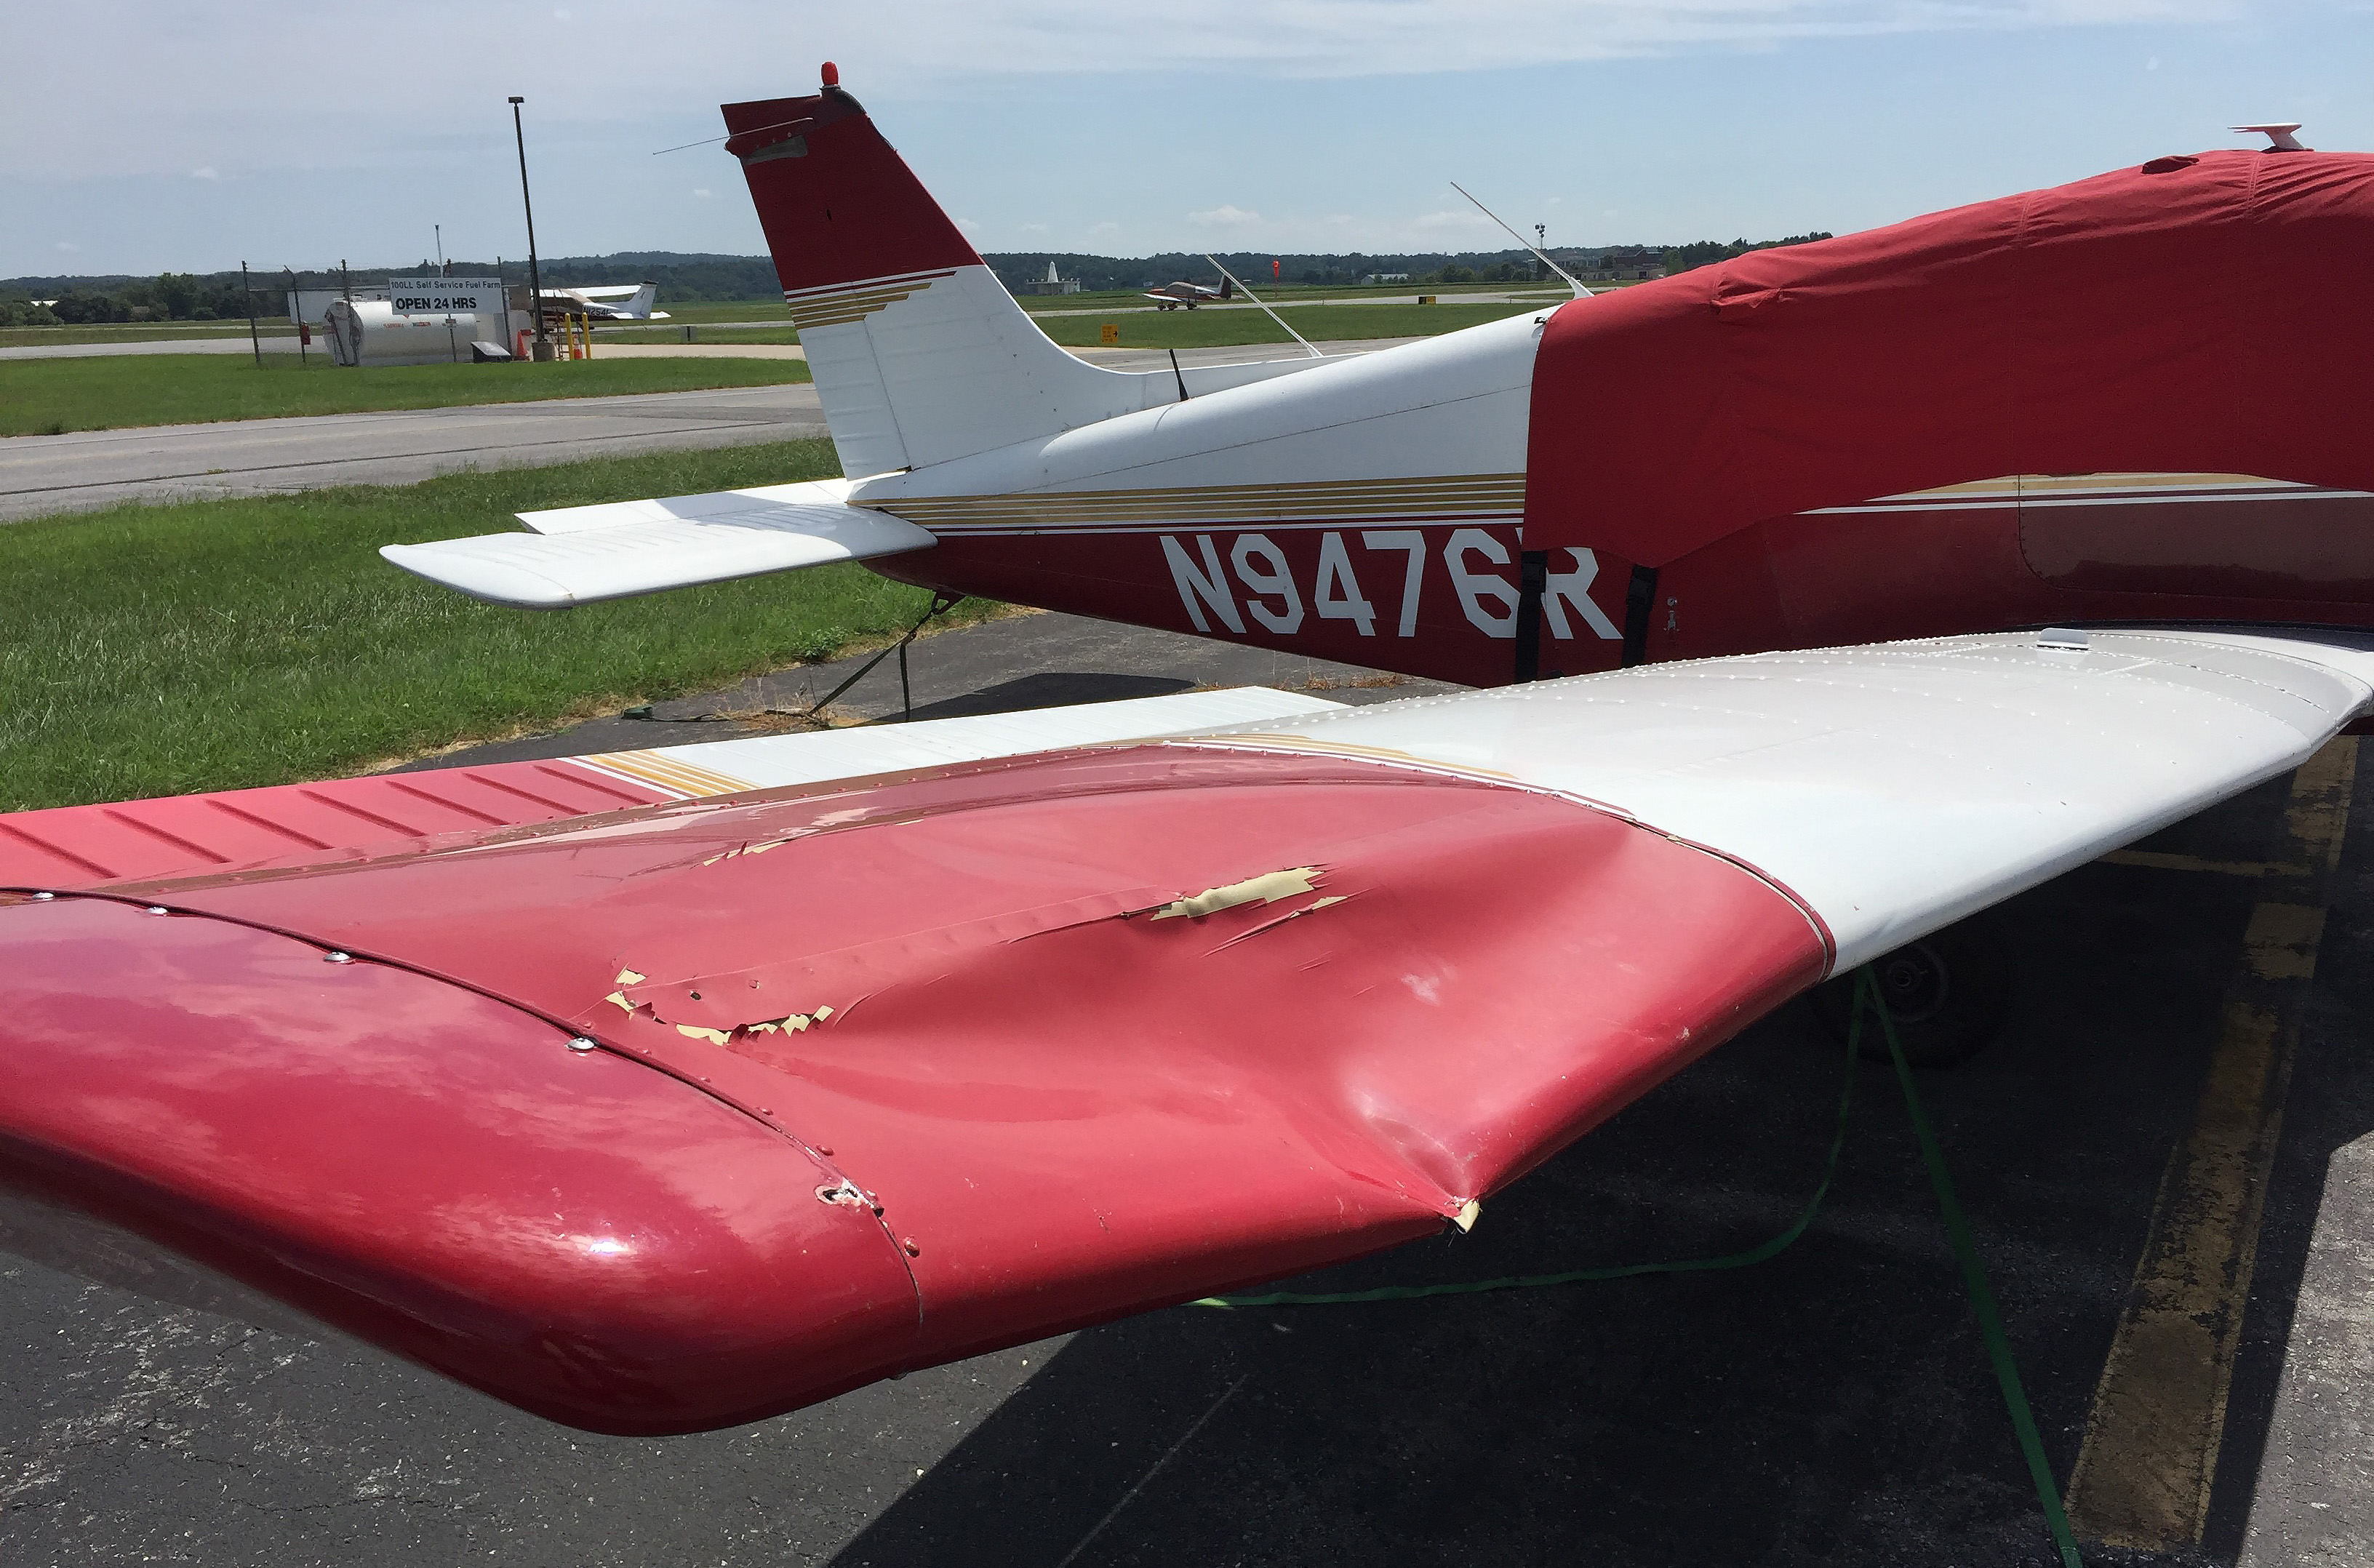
{"x":2167,"y":862}
{"x":2149,"y":1456}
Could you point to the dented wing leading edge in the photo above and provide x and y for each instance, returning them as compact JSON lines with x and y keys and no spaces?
{"x":681,"y":1114}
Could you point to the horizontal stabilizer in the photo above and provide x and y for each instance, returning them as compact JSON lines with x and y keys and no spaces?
{"x":584,"y":554}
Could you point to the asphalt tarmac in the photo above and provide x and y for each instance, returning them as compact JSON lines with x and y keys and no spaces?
{"x":89,"y":469}
{"x":2183,"y":1080}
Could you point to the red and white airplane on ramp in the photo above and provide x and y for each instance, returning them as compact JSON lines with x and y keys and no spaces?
{"x":670,"y":1089}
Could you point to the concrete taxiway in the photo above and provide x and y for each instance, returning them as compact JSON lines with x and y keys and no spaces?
{"x":2167,"y":1159}
{"x":88,"y":469}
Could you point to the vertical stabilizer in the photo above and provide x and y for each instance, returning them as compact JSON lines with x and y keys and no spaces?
{"x":919,"y":353}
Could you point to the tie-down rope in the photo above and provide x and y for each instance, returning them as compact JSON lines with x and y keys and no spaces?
{"x":1867,"y":999}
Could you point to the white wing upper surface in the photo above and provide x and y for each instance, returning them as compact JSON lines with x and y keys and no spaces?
{"x":583,"y":555}
{"x":1897,"y":788}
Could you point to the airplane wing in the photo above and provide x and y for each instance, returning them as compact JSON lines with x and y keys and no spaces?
{"x":686,"y":1113}
{"x":583,"y":555}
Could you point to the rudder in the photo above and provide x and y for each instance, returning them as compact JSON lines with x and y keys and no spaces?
{"x":919,"y":353}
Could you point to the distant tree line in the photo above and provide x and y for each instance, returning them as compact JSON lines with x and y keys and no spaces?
{"x":1097,"y":274}
{"x":1707,"y":253}
{"x":200,"y":296}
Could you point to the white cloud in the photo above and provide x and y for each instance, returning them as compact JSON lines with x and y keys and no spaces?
{"x":172,"y":73}
{"x":702,"y":191}
{"x":68,"y":245}
{"x":1105,"y":226}
{"x":1224,"y":216}
{"x":1034,"y":228}
{"x":969,"y":225}
{"x":204,"y":171}
{"x":1455,"y":218}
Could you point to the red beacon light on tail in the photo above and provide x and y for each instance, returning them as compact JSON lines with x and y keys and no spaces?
{"x":831,"y":75}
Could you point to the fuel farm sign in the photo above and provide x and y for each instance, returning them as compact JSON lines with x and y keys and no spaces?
{"x":446,"y":296}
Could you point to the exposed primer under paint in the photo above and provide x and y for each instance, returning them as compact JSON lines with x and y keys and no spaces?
{"x":1266,"y":888}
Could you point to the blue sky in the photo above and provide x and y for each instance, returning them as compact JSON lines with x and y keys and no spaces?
{"x":1312,"y":125}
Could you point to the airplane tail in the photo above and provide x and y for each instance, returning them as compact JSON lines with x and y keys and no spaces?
{"x":1228,"y":287}
{"x":640,"y":304}
{"x":917,"y":352}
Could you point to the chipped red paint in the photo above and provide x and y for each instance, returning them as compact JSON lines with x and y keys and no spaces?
{"x":435,"y":1171}
{"x":1070,"y":1108}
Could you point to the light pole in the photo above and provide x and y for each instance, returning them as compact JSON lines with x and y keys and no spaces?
{"x":534,"y":282}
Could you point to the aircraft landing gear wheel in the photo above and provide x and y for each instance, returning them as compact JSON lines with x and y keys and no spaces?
{"x":1947,"y":993}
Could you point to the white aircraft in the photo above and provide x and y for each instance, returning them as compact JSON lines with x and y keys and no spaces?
{"x":619,"y":302}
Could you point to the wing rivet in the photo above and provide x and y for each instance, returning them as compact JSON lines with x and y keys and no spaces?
{"x":580,"y":1043}
{"x":44,"y":897}
{"x":908,"y":1243}
{"x":157,"y":909}
{"x":334,"y":956}
{"x":696,"y":996}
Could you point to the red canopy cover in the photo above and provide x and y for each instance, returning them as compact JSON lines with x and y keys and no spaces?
{"x":2202,"y":313}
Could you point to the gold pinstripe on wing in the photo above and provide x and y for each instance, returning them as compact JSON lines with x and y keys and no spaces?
{"x":657,"y":768}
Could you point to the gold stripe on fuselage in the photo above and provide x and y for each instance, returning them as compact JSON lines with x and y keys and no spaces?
{"x":1460,"y":495}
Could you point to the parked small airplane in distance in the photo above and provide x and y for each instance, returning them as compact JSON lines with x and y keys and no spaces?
{"x":1171,"y":296}
{"x":605,"y":302}
{"x":1892,"y":574}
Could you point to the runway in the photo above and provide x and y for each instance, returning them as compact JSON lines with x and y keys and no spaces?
{"x":88,"y":469}
{"x":1830,"y":1407}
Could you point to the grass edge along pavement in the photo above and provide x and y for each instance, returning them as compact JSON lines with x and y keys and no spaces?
{"x":215,"y":645}
{"x":1150,"y":328}
{"x":109,"y":392}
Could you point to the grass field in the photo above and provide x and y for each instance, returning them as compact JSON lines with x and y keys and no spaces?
{"x":771,"y":308}
{"x":51,"y":396}
{"x":151,"y":650}
{"x":680,"y":312}
{"x":668,"y":333}
{"x":1210,"y":329}
{"x":1183,"y":329}
{"x":142,"y":332}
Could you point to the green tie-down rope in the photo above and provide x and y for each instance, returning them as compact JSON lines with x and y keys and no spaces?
{"x":1867,"y":999}
{"x":1760,"y":1252}
{"x":1974,"y":1276}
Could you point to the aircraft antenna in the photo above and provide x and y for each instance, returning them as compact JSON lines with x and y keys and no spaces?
{"x":1579,"y":291}
{"x":1258,"y":300}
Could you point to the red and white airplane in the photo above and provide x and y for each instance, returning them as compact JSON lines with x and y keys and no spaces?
{"x":1171,"y":296}
{"x":669,"y":1089}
